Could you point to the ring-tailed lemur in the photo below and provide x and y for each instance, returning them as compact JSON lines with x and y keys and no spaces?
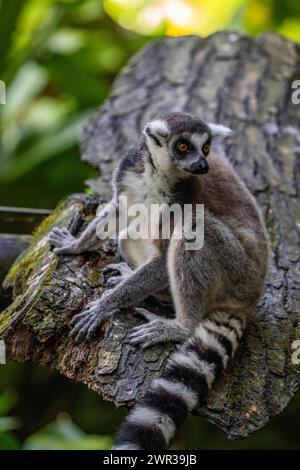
{"x":214,"y":289}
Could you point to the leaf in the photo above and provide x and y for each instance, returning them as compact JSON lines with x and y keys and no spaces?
{"x":8,"y":424}
{"x":63,"y":434}
{"x":9,"y":14}
{"x":7,"y":401}
{"x":75,"y":80}
{"x":27,"y":84}
{"x":46,"y":147}
{"x":8,"y":442}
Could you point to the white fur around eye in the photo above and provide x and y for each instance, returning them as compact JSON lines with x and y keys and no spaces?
{"x":218,"y":130}
{"x":158,"y":127}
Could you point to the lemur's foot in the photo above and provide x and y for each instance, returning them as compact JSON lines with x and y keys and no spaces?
{"x":158,"y":330}
{"x":114,"y":281}
{"x":63,"y":241}
{"x":85,"y":324}
{"x":122,"y":268}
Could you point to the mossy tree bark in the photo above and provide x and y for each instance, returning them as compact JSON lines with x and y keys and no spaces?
{"x":229,"y":78}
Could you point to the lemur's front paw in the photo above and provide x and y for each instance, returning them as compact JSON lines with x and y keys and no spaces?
{"x":122,"y":268}
{"x":85,"y":324}
{"x":158,"y":330}
{"x":63,"y":241}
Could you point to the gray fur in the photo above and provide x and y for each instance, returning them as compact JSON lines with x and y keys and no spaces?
{"x":65,"y":243}
{"x":214,"y":289}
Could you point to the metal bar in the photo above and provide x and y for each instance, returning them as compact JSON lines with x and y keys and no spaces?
{"x":11,"y":246}
{"x":21,"y":220}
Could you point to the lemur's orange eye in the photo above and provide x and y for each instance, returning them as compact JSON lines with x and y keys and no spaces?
{"x":182,"y":147}
{"x":206,"y":149}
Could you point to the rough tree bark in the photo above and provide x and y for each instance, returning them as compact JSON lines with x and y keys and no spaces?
{"x":229,"y":78}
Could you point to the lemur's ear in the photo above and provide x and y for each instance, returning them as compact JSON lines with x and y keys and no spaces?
{"x":156,"y":130}
{"x":218,"y":130}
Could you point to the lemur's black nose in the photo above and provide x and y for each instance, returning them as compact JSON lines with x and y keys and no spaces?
{"x":200,"y":167}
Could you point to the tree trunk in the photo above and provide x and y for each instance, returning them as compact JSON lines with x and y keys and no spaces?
{"x":238,"y":81}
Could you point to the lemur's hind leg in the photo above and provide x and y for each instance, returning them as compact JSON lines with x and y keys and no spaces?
{"x":187,"y":300}
{"x":122,"y":268}
{"x":157,"y":330}
{"x":200,"y":280}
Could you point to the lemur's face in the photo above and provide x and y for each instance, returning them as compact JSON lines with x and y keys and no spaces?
{"x":189,"y":147}
{"x":182,"y":142}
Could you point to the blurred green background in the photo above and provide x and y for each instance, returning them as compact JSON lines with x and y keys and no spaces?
{"x":58,"y":60}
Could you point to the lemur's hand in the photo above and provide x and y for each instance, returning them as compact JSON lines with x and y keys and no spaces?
{"x":63,"y":241}
{"x":85,"y":324}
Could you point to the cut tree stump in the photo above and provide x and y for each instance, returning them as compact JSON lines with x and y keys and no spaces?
{"x":241,"y":82}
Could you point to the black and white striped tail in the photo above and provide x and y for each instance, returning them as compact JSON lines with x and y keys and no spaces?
{"x":185,"y":383}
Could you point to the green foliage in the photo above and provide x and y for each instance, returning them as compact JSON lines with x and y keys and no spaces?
{"x":58,"y":59}
{"x":204,"y":17}
{"x":7,"y":423}
{"x":63,"y":434}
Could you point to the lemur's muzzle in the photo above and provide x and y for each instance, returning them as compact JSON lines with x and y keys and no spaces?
{"x":199,"y":167}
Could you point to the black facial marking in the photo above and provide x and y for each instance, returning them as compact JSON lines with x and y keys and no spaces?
{"x":198,"y":168}
{"x":156,"y":140}
{"x":206,"y":147}
{"x":182,"y":154}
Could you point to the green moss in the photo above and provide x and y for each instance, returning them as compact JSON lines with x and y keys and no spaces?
{"x":61,"y":348}
{"x":44,"y":226}
{"x":24,"y":265}
{"x":273,"y":237}
{"x":22,"y":268}
{"x":4,"y":320}
{"x":52,"y":219}
{"x":94,"y":277}
{"x":19,"y":303}
{"x":46,"y":280}
{"x":32,"y":264}
{"x":8,"y":314}
{"x":95,"y":360}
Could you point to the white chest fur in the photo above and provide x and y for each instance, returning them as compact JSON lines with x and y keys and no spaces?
{"x":144,"y":190}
